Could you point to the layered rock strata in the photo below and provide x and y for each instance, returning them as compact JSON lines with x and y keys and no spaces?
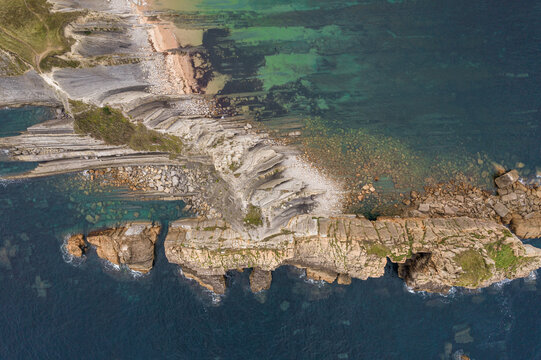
{"x":433,"y":254}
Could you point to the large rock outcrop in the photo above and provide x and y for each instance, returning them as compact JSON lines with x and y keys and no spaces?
{"x":433,"y":254}
{"x":131,"y":245}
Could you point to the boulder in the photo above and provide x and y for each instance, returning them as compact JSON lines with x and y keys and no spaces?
{"x":76,"y":245}
{"x":131,"y":245}
{"x":501,"y":209}
{"x":260,"y":280}
{"x":321,"y":274}
{"x":528,"y":227}
{"x":507,"y":179}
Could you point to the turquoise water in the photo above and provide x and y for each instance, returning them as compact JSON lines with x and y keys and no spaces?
{"x":454,"y":82}
{"x":54,"y":308}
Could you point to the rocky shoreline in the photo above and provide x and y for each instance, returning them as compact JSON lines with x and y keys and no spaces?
{"x":260,"y":205}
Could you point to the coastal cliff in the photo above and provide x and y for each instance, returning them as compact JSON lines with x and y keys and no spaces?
{"x":264,"y":206}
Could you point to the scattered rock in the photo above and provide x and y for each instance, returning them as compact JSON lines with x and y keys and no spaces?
{"x":501,"y":209}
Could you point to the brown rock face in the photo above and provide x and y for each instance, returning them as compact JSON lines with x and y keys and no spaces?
{"x":132,"y":245}
{"x":321,"y":274}
{"x":528,"y":227}
{"x":433,"y":254}
{"x":260,"y":280}
{"x":76,"y":245}
{"x":214,"y":283}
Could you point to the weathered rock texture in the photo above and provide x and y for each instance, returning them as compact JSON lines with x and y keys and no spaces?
{"x":76,"y":245}
{"x":514,"y":203}
{"x":433,"y":254}
{"x":260,"y":280}
{"x":132,"y":245}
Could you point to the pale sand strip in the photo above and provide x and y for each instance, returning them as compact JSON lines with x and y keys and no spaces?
{"x":181,"y":73}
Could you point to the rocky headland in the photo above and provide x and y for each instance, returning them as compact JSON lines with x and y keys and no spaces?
{"x":260,"y":205}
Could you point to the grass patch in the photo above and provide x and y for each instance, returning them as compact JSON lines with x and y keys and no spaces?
{"x":474,"y":267}
{"x":30,"y":31}
{"x":253,"y":216}
{"x":112,"y":127}
{"x":379,"y":250}
{"x":213,"y":228}
{"x":503,"y":256}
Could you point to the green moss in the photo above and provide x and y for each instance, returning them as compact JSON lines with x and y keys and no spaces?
{"x":474,"y":267}
{"x":213,"y":228}
{"x":379,"y":250}
{"x":503,"y":256}
{"x":112,"y":127}
{"x":478,"y":236}
{"x":253,"y":216}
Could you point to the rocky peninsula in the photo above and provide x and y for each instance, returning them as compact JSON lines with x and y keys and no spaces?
{"x":259,"y":204}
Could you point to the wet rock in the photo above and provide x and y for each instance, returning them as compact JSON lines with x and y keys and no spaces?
{"x":507,"y":179}
{"x":260,"y":280}
{"x":76,"y":245}
{"x":131,"y":245}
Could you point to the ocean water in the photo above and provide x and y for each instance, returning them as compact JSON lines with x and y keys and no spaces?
{"x":54,"y":307}
{"x":413,"y":91}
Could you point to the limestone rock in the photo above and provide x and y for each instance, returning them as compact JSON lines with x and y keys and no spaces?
{"x":260,"y":280}
{"x":433,"y":254}
{"x":132,"y":245}
{"x":321,"y":274}
{"x":527,"y":227}
{"x":344,"y":279}
{"x":507,"y":179}
{"x":501,"y":209}
{"x":214,"y":283}
{"x":76,"y":245}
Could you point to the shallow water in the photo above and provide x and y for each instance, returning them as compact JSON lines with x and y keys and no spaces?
{"x":441,"y":87}
{"x":60,"y":308}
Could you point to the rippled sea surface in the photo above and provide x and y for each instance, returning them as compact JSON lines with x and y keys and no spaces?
{"x":53,"y":307}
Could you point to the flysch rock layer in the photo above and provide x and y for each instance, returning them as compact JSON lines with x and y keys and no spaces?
{"x":257,"y":172}
{"x":131,"y":245}
{"x":433,"y":254}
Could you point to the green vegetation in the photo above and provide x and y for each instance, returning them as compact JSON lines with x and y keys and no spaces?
{"x":253,"y":216}
{"x":213,"y":228}
{"x":474,"y":266}
{"x":379,"y":250}
{"x":111,"y":126}
{"x":33,"y":34}
{"x":503,"y":256}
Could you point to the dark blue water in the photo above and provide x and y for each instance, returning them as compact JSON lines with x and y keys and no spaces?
{"x":54,"y":309}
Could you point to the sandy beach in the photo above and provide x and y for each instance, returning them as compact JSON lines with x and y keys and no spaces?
{"x":179,"y":66}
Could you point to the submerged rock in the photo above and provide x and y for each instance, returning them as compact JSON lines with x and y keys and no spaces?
{"x":260,"y":280}
{"x":131,"y":245}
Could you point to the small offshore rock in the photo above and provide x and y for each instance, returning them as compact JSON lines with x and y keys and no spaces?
{"x":76,"y":245}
